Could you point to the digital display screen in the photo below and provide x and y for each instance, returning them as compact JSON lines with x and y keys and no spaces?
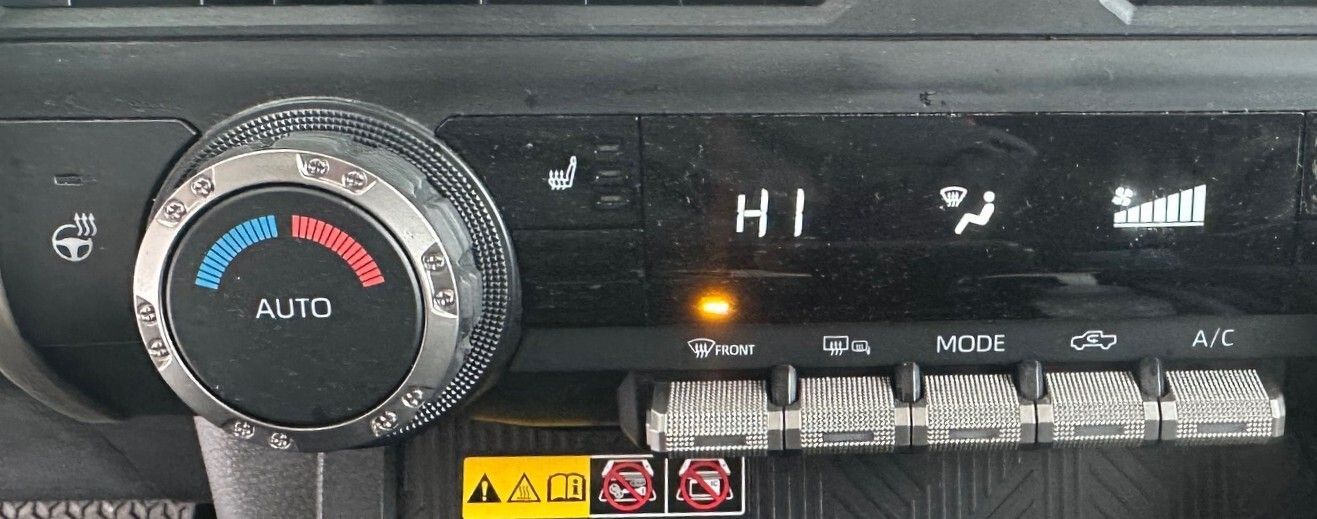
{"x":809,"y":218}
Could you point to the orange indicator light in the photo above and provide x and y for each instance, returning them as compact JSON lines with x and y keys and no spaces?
{"x":714,"y":307}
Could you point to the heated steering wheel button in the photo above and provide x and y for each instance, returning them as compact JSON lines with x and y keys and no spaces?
{"x":73,"y":195}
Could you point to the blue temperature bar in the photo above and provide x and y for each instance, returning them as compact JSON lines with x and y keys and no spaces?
{"x":229,"y":245}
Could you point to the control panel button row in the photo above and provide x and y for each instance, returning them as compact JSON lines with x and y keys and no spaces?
{"x":855,"y":414}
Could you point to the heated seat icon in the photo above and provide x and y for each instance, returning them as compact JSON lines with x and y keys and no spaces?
{"x":73,"y":241}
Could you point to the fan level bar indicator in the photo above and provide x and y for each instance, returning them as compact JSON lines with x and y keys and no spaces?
{"x":1187,"y":208}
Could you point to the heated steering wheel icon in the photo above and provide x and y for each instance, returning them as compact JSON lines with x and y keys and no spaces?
{"x":73,"y":241}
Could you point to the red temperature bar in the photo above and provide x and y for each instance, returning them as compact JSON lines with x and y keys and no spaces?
{"x":343,"y":244}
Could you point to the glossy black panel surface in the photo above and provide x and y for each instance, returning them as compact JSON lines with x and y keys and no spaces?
{"x":554,"y":172}
{"x":977,"y":217}
{"x":582,"y":277}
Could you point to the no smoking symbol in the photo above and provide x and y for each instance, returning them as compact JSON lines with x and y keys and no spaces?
{"x":704,"y":485}
{"x":629,"y":486}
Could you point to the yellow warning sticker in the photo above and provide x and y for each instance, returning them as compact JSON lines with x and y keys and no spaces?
{"x":526,"y":487}
{"x":602,"y":487}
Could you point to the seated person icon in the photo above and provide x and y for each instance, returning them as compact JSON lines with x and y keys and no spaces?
{"x":982,"y":217}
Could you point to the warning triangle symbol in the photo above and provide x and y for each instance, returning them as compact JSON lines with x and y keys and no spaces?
{"x":484,"y":492}
{"x":524,"y":492}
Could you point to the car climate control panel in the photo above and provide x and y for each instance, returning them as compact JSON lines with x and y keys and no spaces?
{"x":315,"y":274}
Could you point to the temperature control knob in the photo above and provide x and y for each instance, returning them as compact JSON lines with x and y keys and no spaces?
{"x":324,"y":275}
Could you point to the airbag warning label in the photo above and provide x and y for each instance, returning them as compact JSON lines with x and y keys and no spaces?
{"x":541,"y":487}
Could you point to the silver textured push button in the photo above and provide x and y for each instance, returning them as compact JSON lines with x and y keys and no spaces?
{"x":713,"y":417}
{"x":972,"y":411}
{"x":1220,"y":406}
{"x":1097,"y":408}
{"x":848,"y":414}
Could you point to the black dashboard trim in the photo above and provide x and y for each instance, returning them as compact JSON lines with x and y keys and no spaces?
{"x":20,"y":363}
